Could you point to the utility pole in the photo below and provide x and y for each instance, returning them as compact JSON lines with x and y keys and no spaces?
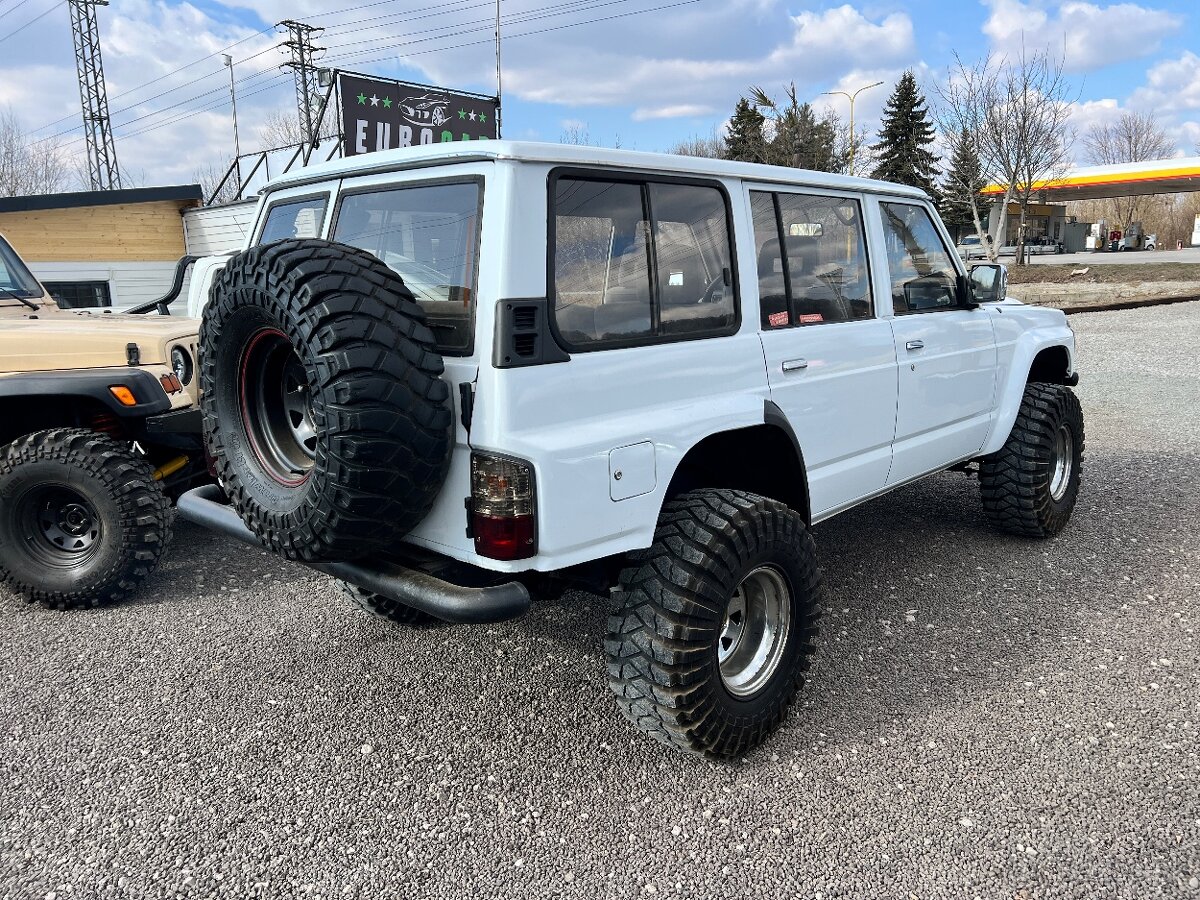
{"x":498,"y":91}
{"x":302,"y":64}
{"x":237,"y":145}
{"x":852,"y":98}
{"x":103,"y":173}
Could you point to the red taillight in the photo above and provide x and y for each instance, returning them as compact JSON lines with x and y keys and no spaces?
{"x":503,"y":520}
{"x":501,"y":538}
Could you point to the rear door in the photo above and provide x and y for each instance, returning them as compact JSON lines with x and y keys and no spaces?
{"x":946,"y":352}
{"x":831,"y":362}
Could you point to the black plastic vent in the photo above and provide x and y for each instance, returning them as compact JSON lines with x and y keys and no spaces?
{"x":524,"y":318}
{"x":523,"y":337}
{"x":525,"y":345}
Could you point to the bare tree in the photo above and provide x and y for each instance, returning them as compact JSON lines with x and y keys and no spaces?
{"x":576,"y":133}
{"x":209,"y":178}
{"x":712,"y":147}
{"x":1133,"y":137}
{"x":280,"y":129}
{"x":964,"y":100}
{"x":1019,"y":111}
{"x":30,"y":167}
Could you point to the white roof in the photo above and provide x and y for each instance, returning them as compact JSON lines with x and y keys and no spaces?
{"x":572,"y":155}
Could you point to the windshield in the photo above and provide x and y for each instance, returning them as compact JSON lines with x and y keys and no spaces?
{"x":15,"y":278}
{"x":429,"y":235}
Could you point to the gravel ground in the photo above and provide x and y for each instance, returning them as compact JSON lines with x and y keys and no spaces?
{"x":987,"y":717}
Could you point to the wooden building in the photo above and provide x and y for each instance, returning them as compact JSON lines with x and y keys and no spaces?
{"x":101,"y":248}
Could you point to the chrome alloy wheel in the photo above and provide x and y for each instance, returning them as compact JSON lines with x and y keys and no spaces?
{"x":755,"y":632}
{"x":1062,"y":459}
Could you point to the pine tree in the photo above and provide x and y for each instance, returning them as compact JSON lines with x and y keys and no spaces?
{"x":905,"y":137}
{"x":962,"y":185}
{"x":804,"y":141}
{"x":746,"y":140}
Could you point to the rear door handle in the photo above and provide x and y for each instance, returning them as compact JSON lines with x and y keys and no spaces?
{"x":915,"y":345}
{"x":793,"y":365}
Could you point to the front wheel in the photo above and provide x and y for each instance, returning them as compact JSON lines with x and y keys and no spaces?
{"x":1030,"y":486}
{"x":82,"y":520}
{"x":715,"y":623}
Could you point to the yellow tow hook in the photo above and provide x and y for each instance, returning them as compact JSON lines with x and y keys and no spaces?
{"x":170,"y":468}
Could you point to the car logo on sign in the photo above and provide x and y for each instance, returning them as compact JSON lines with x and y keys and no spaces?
{"x":425,"y":110}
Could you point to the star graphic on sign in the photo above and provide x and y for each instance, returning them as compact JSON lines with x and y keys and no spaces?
{"x":387,"y":102}
{"x":462,"y":113}
{"x":472,"y":116}
{"x":362,"y":99}
{"x":483,"y":117}
{"x":374,"y":100}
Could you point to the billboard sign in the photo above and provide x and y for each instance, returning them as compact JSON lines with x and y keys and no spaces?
{"x":382,"y":114}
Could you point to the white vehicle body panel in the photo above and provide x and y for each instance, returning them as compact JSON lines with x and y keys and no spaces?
{"x":867,"y":413}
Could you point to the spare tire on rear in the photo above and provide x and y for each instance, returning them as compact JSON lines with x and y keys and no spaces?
{"x":324,"y":409}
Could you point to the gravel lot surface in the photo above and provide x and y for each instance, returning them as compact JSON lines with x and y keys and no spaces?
{"x":987,"y":717}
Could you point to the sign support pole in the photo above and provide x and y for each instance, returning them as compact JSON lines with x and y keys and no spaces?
{"x":498,"y":84}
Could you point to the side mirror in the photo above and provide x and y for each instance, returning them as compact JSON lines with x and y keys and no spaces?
{"x":988,"y":283}
{"x":930,"y":292}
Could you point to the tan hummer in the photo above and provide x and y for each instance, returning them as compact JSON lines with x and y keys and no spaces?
{"x":99,"y":429}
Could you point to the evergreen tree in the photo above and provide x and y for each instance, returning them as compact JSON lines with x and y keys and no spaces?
{"x":961,"y":188}
{"x":905,"y":137}
{"x":746,"y":140}
{"x":804,"y":141}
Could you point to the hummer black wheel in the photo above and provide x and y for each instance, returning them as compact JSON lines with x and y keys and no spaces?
{"x":82,"y":520}
{"x":715,"y":623}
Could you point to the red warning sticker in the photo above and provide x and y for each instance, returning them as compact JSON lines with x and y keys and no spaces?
{"x":810,"y":318}
{"x":777,"y":319}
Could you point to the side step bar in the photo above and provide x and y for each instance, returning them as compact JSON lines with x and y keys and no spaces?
{"x":446,"y":601}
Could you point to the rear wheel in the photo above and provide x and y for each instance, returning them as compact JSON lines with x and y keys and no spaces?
{"x":82,"y":520}
{"x":1030,"y":486}
{"x":385,"y":607}
{"x":715,"y":623}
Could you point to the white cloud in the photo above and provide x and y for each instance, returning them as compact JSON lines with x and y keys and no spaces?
{"x":1089,"y":35}
{"x":676,"y":111}
{"x":1172,"y":85}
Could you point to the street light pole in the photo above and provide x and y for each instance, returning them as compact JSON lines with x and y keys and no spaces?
{"x":852,"y":98}
{"x":237,"y":147}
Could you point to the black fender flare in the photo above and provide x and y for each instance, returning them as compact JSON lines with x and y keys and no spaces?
{"x":92,"y":384}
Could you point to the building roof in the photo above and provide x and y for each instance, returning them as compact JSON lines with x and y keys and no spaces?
{"x":1159,"y":176}
{"x":186,"y":192}
{"x":426,"y":155}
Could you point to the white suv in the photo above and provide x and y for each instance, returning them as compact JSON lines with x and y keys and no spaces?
{"x":454,"y":375}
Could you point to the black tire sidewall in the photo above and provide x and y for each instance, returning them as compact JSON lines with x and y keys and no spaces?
{"x":22,"y":565}
{"x":765,"y":703}
{"x":1070,"y":414}
{"x":223,"y":399}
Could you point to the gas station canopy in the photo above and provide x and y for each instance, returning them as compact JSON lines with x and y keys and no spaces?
{"x":1159,"y":176}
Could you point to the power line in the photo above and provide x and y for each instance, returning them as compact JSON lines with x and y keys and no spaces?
{"x":128,"y":91}
{"x":36,"y":18}
{"x":13,"y":9}
{"x":308,"y":92}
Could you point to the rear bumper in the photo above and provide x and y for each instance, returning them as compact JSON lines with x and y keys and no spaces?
{"x":446,"y":601}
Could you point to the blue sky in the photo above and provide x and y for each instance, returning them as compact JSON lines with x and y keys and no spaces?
{"x":644,"y":73}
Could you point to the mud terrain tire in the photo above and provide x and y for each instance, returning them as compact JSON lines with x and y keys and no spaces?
{"x":385,"y":607}
{"x":1029,"y":487}
{"x":82,"y":521}
{"x":671,"y":624}
{"x":323,"y":402}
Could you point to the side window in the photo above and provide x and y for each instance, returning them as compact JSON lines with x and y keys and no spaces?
{"x":812,"y":261}
{"x":923,"y":275}
{"x":429,"y":235}
{"x":633,"y":262}
{"x":298,"y":219}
